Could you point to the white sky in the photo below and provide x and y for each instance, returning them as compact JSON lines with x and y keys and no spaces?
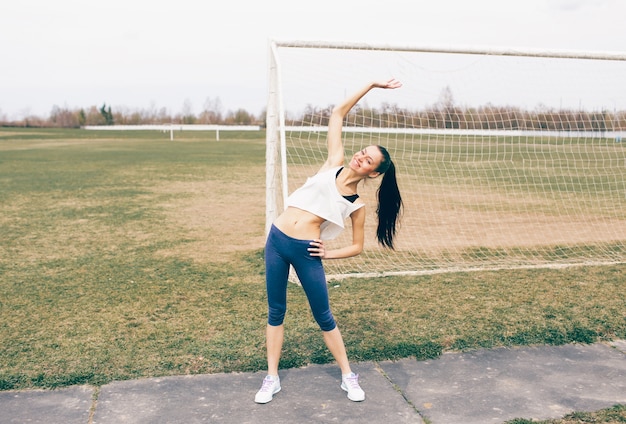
{"x":140,"y":54}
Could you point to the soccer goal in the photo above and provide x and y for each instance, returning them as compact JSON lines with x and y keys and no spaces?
{"x":505,"y":159}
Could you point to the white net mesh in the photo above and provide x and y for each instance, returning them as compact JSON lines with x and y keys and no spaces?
{"x":502,"y":161}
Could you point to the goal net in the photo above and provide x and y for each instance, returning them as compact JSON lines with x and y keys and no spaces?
{"x":504,"y":158}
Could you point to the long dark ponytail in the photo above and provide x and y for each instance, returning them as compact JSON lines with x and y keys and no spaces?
{"x":389,"y":201}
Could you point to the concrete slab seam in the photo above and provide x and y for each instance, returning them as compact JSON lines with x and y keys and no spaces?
{"x":398,"y":389}
{"x":94,"y":403}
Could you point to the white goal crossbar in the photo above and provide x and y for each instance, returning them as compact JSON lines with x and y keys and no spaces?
{"x":562,"y":54}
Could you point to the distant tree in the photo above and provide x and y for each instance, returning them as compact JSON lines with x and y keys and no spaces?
{"x":163,"y":116}
{"x":64,"y":117}
{"x":211,"y":111}
{"x":313,"y":116}
{"x":82,"y":117}
{"x":94,"y":117}
{"x":107,"y":115}
{"x":448,"y":111}
{"x":446,"y":99}
{"x":187,"y":116}
{"x":620,"y":120}
{"x":240,"y":117}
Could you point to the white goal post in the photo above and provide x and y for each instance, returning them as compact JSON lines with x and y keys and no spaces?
{"x":505,"y":158}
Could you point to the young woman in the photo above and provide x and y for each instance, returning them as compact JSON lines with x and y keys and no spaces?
{"x":314,"y":213}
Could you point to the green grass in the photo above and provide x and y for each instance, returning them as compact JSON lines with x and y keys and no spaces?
{"x":101,"y":278}
{"x":613,"y":415}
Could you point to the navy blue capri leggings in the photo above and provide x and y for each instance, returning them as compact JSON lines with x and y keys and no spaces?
{"x":282,"y":251}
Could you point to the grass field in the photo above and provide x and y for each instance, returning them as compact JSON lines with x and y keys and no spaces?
{"x":125,"y":255}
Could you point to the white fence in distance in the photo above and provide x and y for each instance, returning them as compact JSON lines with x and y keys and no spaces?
{"x":174,"y":127}
{"x":617,"y":135}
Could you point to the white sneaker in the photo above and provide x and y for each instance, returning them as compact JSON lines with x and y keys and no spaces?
{"x":271,"y":386}
{"x":350,"y":383}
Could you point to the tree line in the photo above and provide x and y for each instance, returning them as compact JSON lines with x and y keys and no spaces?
{"x":487,"y":117}
{"x":65,"y":117}
{"x":444,"y":114}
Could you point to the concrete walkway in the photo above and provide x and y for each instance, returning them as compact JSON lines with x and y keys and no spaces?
{"x":483,"y":386}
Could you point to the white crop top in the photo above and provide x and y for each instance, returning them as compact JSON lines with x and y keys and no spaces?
{"x":319,"y":195}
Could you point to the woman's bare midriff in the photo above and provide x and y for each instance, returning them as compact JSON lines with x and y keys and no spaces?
{"x":299,"y":224}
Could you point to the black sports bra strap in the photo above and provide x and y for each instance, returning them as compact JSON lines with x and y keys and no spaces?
{"x":352,"y":197}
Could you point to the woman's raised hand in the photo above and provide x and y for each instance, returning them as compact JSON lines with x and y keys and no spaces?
{"x":391,"y":83}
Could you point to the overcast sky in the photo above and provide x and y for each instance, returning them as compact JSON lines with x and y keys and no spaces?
{"x":141,"y":54}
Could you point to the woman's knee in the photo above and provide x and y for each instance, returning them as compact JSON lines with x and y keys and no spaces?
{"x":326,"y":321}
{"x":276,"y":315}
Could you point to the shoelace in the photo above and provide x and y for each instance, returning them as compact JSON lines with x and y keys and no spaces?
{"x":267,"y":385}
{"x":352,"y":382}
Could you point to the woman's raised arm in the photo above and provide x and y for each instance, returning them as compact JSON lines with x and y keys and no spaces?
{"x":335,"y":124}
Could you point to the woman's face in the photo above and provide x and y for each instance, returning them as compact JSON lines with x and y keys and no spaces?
{"x":366,"y":161}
